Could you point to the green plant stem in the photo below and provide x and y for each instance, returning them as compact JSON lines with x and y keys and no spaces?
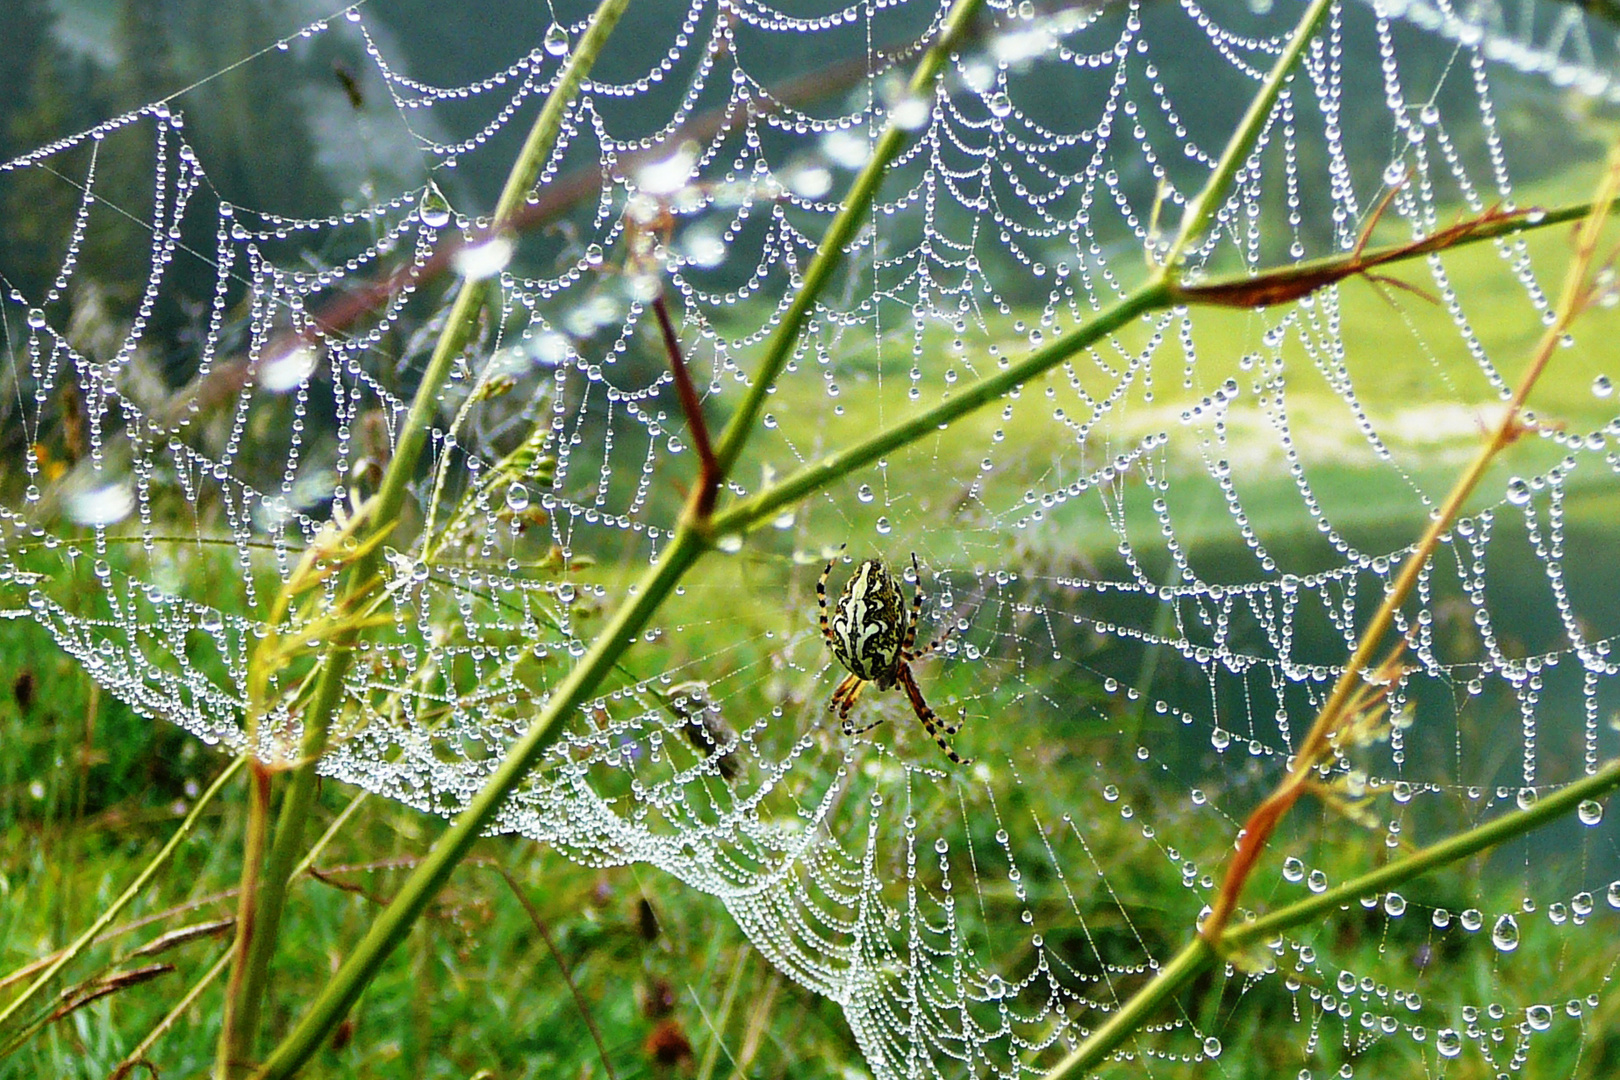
{"x":1201,"y":211}
{"x":762,"y":507}
{"x":134,"y":889}
{"x":1451,"y":849}
{"x":243,"y":1008}
{"x":686,"y":547}
{"x":1198,"y":954}
{"x":831,"y":252}
{"x":138,"y":1054}
{"x":1183,"y":968}
{"x":239,"y":1018}
{"x":394,"y":922}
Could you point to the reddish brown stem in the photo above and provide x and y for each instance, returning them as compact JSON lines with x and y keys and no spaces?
{"x":709,"y":475}
{"x":1289,"y":283}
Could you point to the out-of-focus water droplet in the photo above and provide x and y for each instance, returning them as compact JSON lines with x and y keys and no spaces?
{"x":909,"y":112}
{"x":289,"y":369}
{"x":669,"y":174}
{"x":484,"y":259}
{"x":103,"y":504}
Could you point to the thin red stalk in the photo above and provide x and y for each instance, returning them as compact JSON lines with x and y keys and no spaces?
{"x":709,"y":469}
{"x":568,"y":976}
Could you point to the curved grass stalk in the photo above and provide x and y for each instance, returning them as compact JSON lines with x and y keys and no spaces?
{"x":144,"y":878}
{"x":687,"y":546}
{"x":243,"y":1006}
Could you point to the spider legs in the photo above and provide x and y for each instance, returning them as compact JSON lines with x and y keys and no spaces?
{"x":930,"y":720}
{"x":843,"y":699}
{"x":908,"y":647}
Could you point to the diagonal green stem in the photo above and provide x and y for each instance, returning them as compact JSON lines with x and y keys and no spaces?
{"x":762,"y":507}
{"x":831,"y":253}
{"x":1452,"y":849}
{"x":1201,"y":211}
{"x":243,"y":1007}
{"x":1198,"y":954}
{"x":687,"y":546}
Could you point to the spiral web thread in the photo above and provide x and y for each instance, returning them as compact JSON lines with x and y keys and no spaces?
{"x":1152,"y":558}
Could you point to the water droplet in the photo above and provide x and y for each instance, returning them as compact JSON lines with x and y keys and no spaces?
{"x":1292,"y":869}
{"x":1518,"y":492}
{"x":36,"y":318}
{"x":1394,"y":905}
{"x":1590,"y":812}
{"x":1212,"y":1046}
{"x":433,"y":208}
{"x":290,"y":369}
{"x":1505,"y":934}
{"x":1602,"y":386}
{"x":909,"y":112}
{"x":1539,"y":1017}
{"x":731,"y":543}
{"x":556,"y":41}
{"x":517,"y":497}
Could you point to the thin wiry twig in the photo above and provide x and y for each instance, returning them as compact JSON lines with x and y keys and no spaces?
{"x":568,"y":976}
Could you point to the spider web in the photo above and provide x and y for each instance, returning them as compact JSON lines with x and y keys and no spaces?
{"x":1152,"y":559}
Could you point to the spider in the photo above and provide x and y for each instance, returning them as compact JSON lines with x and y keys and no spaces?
{"x":874,"y":637}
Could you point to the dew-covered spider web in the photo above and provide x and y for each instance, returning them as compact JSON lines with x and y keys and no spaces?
{"x":1151,"y":561}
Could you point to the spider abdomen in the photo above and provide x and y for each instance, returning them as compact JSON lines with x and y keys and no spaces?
{"x":868,"y":624}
